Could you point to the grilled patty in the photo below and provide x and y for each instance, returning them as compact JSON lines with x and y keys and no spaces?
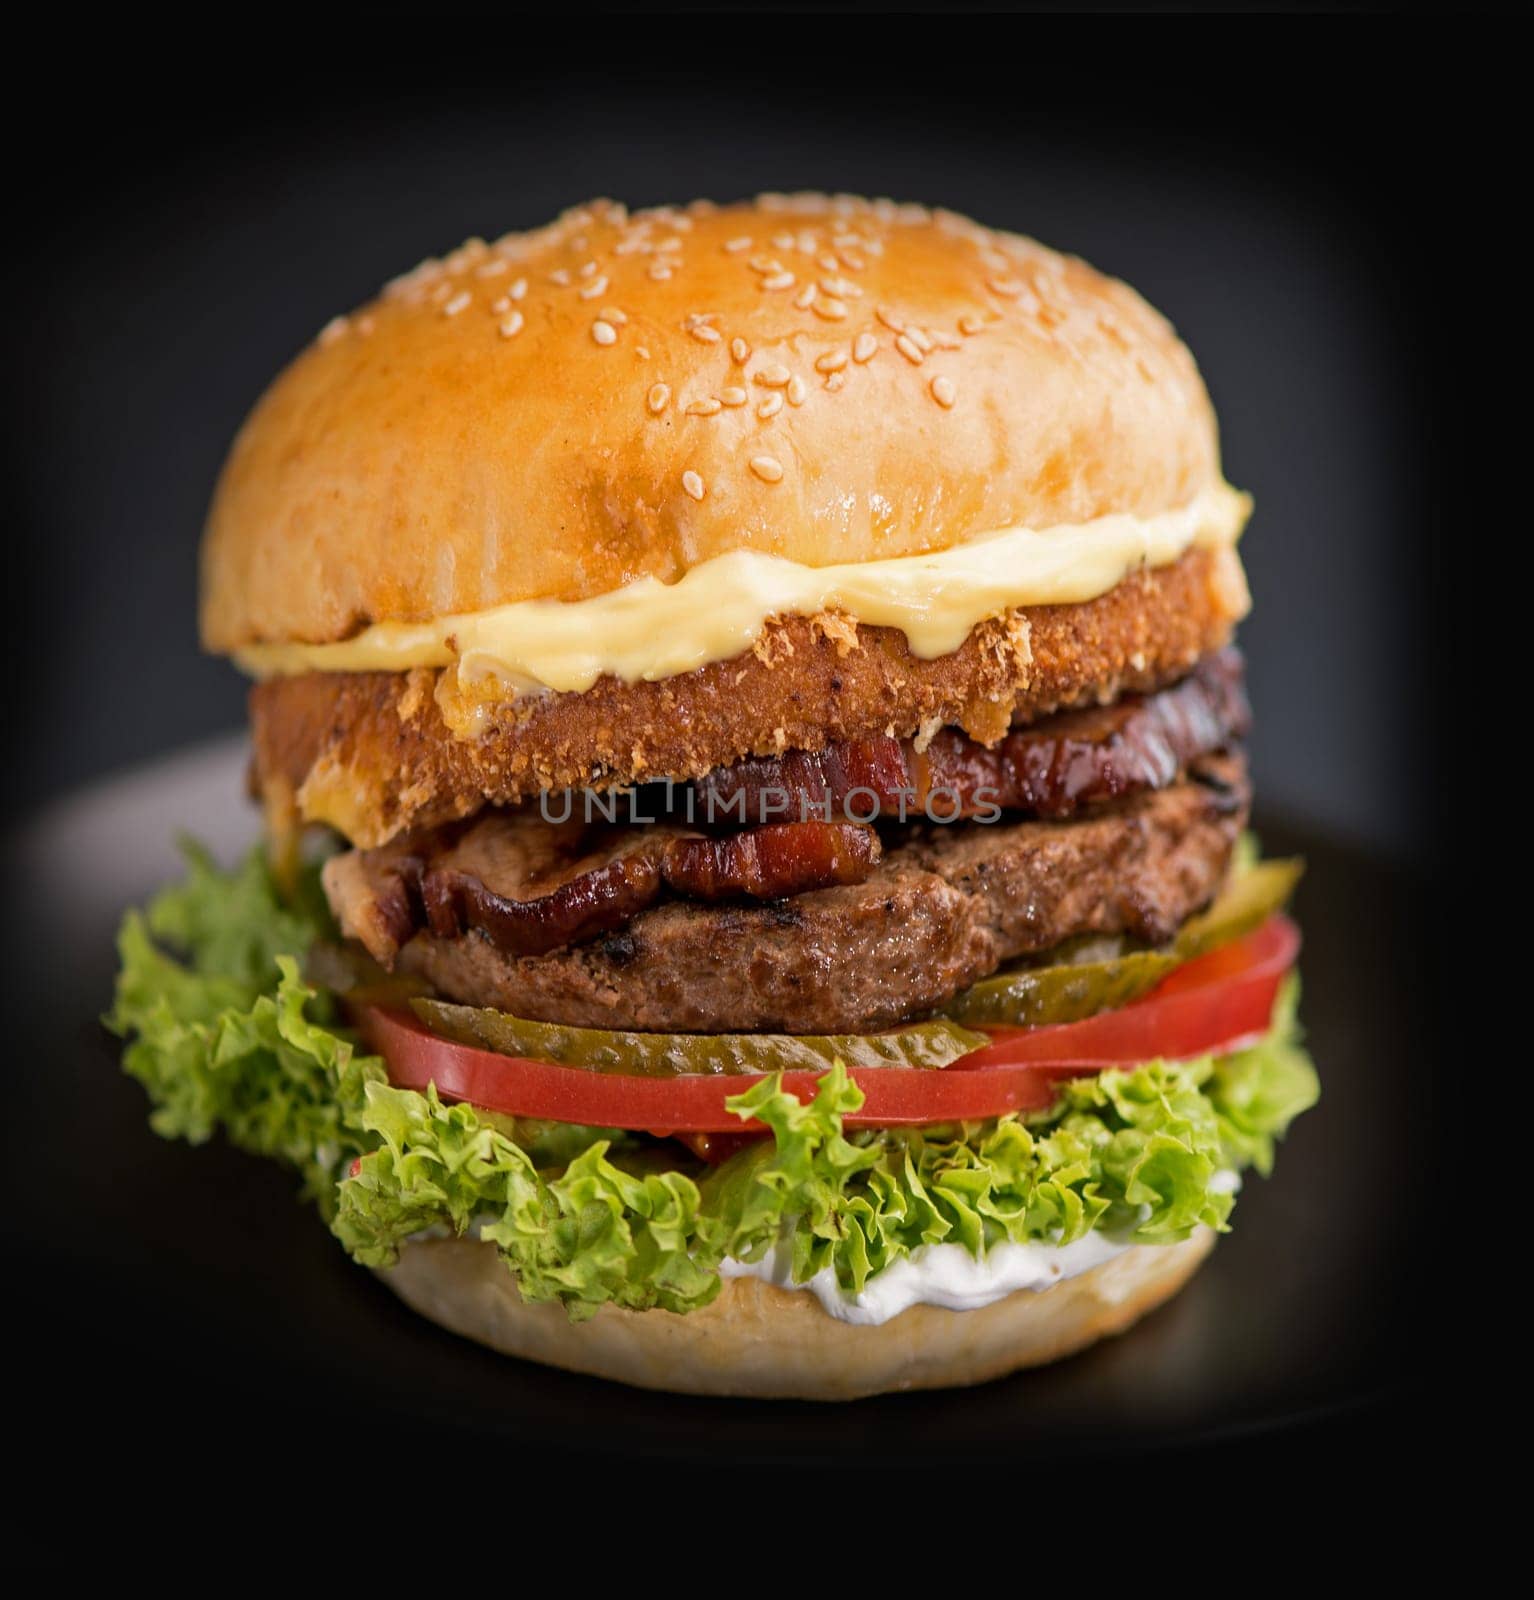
{"x":942,"y":909}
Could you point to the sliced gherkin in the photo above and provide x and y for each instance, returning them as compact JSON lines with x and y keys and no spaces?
{"x":1066,"y":993}
{"x":1248,"y":899}
{"x":1070,"y":989}
{"x":671,"y":1055}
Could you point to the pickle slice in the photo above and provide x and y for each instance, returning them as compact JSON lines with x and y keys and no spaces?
{"x":1248,"y":899}
{"x":672,"y":1055}
{"x":1070,"y":990}
{"x":1066,"y":993}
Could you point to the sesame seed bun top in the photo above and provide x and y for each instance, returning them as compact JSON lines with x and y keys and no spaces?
{"x":620,"y":395}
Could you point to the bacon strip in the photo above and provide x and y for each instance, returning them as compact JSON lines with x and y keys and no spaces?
{"x":532,"y":886}
{"x":1069,"y":761}
{"x":770,"y":863}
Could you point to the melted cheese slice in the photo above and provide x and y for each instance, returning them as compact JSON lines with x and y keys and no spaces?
{"x":719,"y":609}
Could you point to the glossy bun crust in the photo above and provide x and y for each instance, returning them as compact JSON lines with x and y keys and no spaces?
{"x":770,"y":1343}
{"x":614,"y":396}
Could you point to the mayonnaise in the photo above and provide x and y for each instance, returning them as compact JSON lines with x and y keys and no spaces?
{"x":944,"y":1275}
{"x":720,"y":608}
{"x":939,"y":1275}
{"x":948,"y":1275}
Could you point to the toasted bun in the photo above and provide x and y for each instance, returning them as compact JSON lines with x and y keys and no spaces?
{"x":770,"y":1343}
{"x":615,"y":396}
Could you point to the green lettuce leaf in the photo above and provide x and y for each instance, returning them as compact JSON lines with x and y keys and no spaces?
{"x":229,"y":1036}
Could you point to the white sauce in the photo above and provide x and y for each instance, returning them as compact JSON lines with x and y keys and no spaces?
{"x":944,"y":1275}
{"x":948,"y":1275}
{"x":939,"y":1275}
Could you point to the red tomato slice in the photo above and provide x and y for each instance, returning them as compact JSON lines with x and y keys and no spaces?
{"x":1221,"y":1002}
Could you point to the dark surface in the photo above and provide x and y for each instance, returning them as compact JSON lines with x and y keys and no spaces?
{"x":194,"y":231}
{"x":182,"y":1288}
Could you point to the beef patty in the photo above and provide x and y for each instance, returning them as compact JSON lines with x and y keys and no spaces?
{"x":944,"y":907}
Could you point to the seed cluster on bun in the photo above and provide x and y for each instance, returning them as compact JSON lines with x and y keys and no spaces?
{"x":621,"y":395}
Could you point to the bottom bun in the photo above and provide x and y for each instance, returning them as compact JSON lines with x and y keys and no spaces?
{"x":759,"y":1340}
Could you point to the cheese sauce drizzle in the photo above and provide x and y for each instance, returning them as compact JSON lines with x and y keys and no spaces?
{"x":718,"y":610}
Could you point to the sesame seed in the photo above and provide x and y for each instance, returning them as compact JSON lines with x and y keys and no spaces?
{"x":796,"y":390}
{"x":765,"y":264}
{"x":889,"y":319}
{"x":779,"y":280}
{"x":642,"y":351}
{"x":669,"y":246}
{"x":692,"y":484}
{"x":500,"y":307}
{"x":827,"y":262}
{"x":597,"y":286}
{"x":518,"y":289}
{"x":733,"y":396}
{"x":701,"y":330}
{"x":604,"y":332}
{"x":740,"y":351}
{"x":587,"y":270}
{"x":835,"y":381}
{"x":768,"y":468}
{"x":333,"y":330}
{"x":613,"y":315}
{"x":559,"y":276}
{"x":840,"y":287}
{"x":864,"y":347}
{"x":460,"y":302}
{"x":659,"y":271}
{"x":852,"y":261}
{"x":943,"y":392}
{"x":658,"y":396}
{"x":1008,"y":288}
{"x":829,"y":307}
{"x":772,"y":376}
{"x":734,"y":245}
{"x":806,"y":297}
{"x":782,"y":241}
{"x":512,"y":326}
{"x":770,"y":407}
{"x":701,"y":408}
{"x":920,"y":338}
{"x":909,"y":348}
{"x":490,"y":269}
{"x":831,"y":361}
{"x":971,"y":322}
{"x":365,"y":325}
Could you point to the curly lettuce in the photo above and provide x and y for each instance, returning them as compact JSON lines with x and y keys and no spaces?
{"x":226,"y":1034}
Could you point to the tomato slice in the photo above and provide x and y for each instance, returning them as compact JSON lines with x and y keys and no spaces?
{"x":1218,"y":1003}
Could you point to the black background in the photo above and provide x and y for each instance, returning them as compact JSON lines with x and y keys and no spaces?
{"x":185,"y":232}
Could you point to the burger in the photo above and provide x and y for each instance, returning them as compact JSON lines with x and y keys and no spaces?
{"x":755,"y":897}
